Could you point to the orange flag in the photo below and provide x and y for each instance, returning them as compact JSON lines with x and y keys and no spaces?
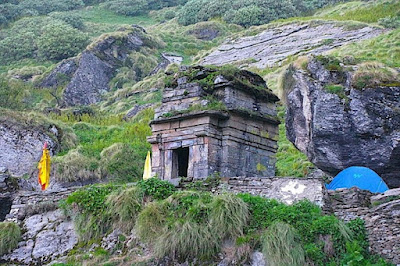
{"x":44,"y":168}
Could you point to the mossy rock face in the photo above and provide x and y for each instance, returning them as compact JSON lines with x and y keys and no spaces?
{"x":340,"y":118}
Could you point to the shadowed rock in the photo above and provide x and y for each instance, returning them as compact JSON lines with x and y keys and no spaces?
{"x":356,"y":127}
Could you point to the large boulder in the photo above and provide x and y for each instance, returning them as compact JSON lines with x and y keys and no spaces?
{"x":89,"y":74}
{"x":339,"y":124}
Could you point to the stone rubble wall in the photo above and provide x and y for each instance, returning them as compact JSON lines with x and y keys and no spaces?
{"x":381,"y":213}
{"x":287,"y":190}
{"x":25,"y":199}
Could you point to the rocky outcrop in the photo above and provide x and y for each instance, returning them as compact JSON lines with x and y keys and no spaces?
{"x":48,"y":234}
{"x":383,"y":225}
{"x":275,"y":44}
{"x":91,"y":72}
{"x":167,"y":59}
{"x":21,"y":146}
{"x":61,"y":74}
{"x":46,"y":237}
{"x":89,"y":82}
{"x":338,"y":126}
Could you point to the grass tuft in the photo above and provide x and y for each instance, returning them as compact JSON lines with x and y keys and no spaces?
{"x":373,"y":74}
{"x":124,"y":206}
{"x":281,"y":246}
{"x":10,"y":234}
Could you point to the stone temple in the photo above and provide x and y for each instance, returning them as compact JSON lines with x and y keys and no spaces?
{"x":215,"y":120}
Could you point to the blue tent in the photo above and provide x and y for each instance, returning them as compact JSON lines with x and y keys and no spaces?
{"x":361,"y":177}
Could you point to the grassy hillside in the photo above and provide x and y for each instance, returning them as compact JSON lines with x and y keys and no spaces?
{"x":99,"y":143}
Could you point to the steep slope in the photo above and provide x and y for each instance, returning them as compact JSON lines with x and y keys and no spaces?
{"x":274,"y":45}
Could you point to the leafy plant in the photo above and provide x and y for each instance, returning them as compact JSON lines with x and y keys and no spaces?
{"x":156,"y":188}
{"x":88,"y":208}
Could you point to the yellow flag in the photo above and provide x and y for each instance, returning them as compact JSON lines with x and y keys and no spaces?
{"x":147,"y":167}
{"x":44,"y":168}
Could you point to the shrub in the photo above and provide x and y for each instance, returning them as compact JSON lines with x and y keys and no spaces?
{"x":247,"y":13}
{"x":10,"y":234}
{"x":127,"y":7}
{"x":88,"y":209}
{"x":9,"y":12}
{"x":157,"y":188}
{"x":47,"y":6}
{"x":281,"y":245}
{"x":391,"y":22}
{"x":70,"y":18}
{"x":59,"y":41}
{"x":123,"y":206}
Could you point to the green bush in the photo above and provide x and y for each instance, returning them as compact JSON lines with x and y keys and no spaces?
{"x":281,"y":245}
{"x":124,"y":205}
{"x":89,"y":211}
{"x":59,"y":41}
{"x":157,"y":188}
{"x":42,"y":38}
{"x":9,"y":12}
{"x":191,"y":224}
{"x":46,"y":6}
{"x":10,"y":235}
{"x":246,"y":13}
{"x":308,"y":221}
{"x":72,"y":19}
{"x":127,"y":7}
{"x":391,"y":22}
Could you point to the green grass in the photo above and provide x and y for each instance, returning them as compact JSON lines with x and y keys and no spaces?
{"x":385,"y":48}
{"x":100,"y":15}
{"x":10,"y":235}
{"x":289,"y":160}
{"x":281,"y":246}
{"x":124,"y":206}
{"x":368,"y":12}
{"x":192,"y":224}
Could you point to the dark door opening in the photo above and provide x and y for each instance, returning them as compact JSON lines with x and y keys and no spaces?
{"x":181,"y":162}
{"x":5,"y":208}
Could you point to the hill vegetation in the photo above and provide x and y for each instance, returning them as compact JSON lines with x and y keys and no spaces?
{"x":102,"y":144}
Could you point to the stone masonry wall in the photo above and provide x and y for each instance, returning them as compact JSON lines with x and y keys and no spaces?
{"x":381,"y":213}
{"x":287,"y":190}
